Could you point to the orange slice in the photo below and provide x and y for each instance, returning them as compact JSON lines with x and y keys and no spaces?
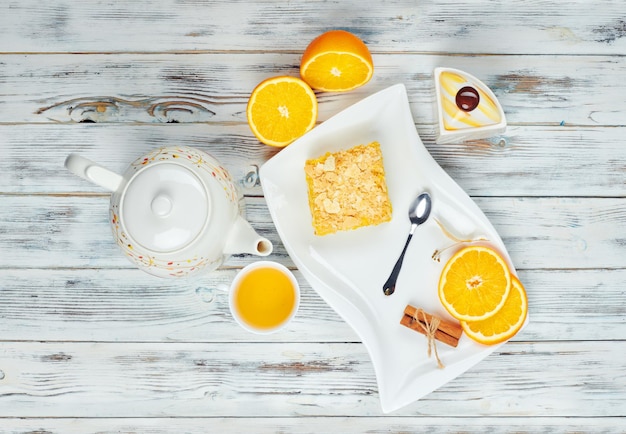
{"x":281,"y":109}
{"x":505,"y":323}
{"x":336,"y":61}
{"x":474,"y":283}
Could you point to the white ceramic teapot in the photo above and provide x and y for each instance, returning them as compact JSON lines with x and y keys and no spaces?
{"x":175,"y":211}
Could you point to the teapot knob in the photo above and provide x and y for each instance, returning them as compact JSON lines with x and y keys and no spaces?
{"x":162,"y":205}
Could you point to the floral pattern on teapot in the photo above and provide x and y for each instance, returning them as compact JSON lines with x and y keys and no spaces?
{"x":217,"y":171}
{"x":173,"y":268}
{"x":177,"y":268}
{"x":175,"y":219}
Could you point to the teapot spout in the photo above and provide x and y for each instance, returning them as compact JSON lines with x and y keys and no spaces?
{"x":244,"y":239}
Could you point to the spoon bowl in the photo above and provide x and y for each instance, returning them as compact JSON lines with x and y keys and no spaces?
{"x":419,"y":211}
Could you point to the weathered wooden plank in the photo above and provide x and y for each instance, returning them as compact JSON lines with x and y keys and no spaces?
{"x":129,"y":306}
{"x":34,"y":155}
{"x":213,"y":88}
{"x":540,"y":233}
{"x":75,"y":231}
{"x":572,"y":228}
{"x":284,"y":380}
{"x":527,"y":161}
{"x":401,"y":25}
{"x":329,"y":425}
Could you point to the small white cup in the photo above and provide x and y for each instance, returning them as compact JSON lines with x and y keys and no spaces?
{"x":235,"y":286}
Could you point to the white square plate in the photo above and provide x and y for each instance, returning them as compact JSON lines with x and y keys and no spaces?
{"x":348,"y":269}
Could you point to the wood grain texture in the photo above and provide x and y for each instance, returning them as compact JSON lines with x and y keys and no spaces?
{"x":523,"y":163}
{"x":289,"y":379}
{"x":74,"y":231}
{"x":300,"y":425}
{"x":214,"y":87}
{"x":540,"y":27}
{"x":126,"y":306}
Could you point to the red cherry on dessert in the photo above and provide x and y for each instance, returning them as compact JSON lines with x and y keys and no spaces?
{"x":467,"y":99}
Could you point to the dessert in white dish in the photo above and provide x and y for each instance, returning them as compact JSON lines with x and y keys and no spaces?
{"x":466,"y":108}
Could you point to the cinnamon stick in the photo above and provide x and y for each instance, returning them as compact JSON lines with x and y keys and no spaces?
{"x":447,"y":332}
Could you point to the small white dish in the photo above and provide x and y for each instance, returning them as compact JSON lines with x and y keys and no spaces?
{"x":456,"y":120}
{"x":348,"y":269}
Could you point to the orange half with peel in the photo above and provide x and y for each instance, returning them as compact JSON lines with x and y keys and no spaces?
{"x":336,"y":61}
{"x":505,"y":323}
{"x":474,"y":283}
{"x":281,"y":109}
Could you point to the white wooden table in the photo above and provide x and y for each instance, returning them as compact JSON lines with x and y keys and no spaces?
{"x":90,"y":344}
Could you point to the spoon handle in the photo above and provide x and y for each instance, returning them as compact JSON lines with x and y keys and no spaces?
{"x":390,"y":285}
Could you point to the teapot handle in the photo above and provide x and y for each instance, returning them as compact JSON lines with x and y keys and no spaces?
{"x":93,"y":172}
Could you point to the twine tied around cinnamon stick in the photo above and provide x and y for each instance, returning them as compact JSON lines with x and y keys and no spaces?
{"x":433,"y":328}
{"x":430,"y":327}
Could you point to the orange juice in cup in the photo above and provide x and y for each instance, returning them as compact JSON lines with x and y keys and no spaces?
{"x":264,"y":297}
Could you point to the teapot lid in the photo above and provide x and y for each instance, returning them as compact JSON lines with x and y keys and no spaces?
{"x":165,"y":206}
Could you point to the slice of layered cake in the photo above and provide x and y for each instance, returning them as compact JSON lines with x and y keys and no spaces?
{"x":347,"y":189}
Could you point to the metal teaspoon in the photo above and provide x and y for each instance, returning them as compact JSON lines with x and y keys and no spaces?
{"x":418,"y":214}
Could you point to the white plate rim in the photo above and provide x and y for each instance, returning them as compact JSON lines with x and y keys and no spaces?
{"x":281,"y":183}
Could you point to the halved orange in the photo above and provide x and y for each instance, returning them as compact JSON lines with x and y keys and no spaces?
{"x":474,"y":283}
{"x":336,"y":61}
{"x":505,"y":323}
{"x":281,"y":109}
